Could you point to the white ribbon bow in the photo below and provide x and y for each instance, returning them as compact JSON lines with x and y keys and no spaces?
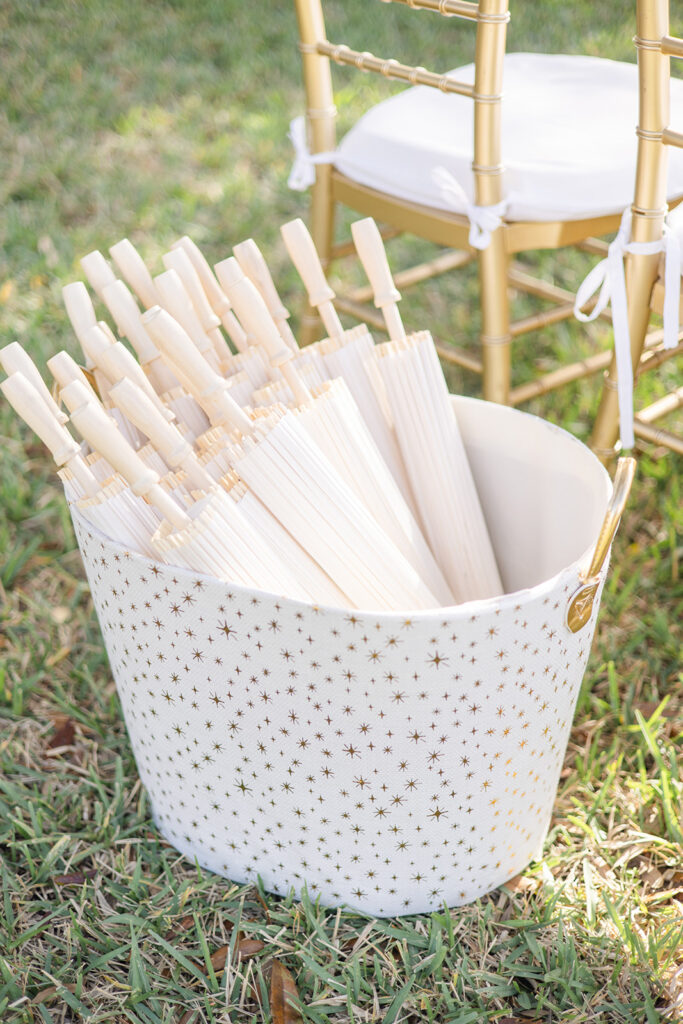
{"x":609,"y":277}
{"x":302,"y":175}
{"x":484,"y":220}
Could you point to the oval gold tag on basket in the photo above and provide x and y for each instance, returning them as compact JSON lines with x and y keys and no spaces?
{"x":580,"y":606}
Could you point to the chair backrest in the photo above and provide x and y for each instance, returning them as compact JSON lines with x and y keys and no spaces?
{"x":491,"y":18}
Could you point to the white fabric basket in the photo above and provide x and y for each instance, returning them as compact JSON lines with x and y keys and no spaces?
{"x":390,"y":762}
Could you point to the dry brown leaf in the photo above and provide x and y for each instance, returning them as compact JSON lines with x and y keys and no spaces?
{"x":181,"y":926}
{"x":64,"y":734}
{"x":514,"y":884}
{"x":653,"y":877}
{"x":282,"y":992}
{"x":244,"y":949}
{"x":46,"y":995}
{"x":247,"y":948}
{"x":218,"y":959}
{"x":647,"y":709}
{"x":78,"y":878}
{"x":520,"y":883}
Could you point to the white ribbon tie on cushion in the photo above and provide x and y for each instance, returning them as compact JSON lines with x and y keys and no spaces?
{"x":484,"y":220}
{"x":302,"y":175}
{"x":609,"y":277}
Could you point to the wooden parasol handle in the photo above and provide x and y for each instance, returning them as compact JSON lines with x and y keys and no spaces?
{"x":134,"y":271}
{"x":305,"y":258}
{"x":97,"y":271}
{"x":65,"y":369}
{"x":207,"y":386}
{"x":124,"y":309}
{"x":14,"y":359}
{"x":116,"y":362}
{"x":25,"y":400}
{"x":253,"y":312}
{"x":370,"y":249}
{"x":93,"y":424}
{"x":79,"y":309}
{"x":107,"y":331}
{"x":166,"y":438}
{"x":94,"y":343}
{"x":178,"y":260}
{"x":174,"y":298}
{"x":252,"y":262}
{"x":218,"y":300}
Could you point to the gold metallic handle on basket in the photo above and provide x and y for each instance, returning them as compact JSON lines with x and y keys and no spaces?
{"x":580,"y":605}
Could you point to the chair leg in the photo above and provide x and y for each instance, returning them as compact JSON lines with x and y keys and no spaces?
{"x":606,"y":426}
{"x":322,"y":233}
{"x":495,"y":320}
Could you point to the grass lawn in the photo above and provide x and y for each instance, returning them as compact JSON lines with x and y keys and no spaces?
{"x":157,"y":119}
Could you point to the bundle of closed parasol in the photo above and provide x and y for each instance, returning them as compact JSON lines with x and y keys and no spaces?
{"x":334,"y":475}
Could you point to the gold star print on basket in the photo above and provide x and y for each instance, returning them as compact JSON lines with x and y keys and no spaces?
{"x":387,"y":761}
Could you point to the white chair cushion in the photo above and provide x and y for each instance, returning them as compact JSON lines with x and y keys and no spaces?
{"x":568,"y":139}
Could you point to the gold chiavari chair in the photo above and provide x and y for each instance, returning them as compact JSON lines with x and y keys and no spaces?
{"x":645,"y":273}
{"x":546,"y":163}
